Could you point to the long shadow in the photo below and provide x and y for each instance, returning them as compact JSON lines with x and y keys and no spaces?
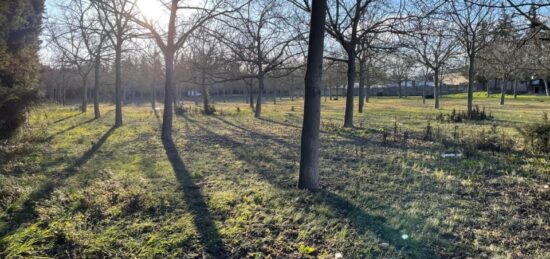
{"x":157,"y":116}
{"x":365,"y":222}
{"x":279,"y":123}
{"x":26,"y":211}
{"x":49,"y":138}
{"x":255,"y":134}
{"x":66,"y":118}
{"x":361,"y":220}
{"x":199,"y":209}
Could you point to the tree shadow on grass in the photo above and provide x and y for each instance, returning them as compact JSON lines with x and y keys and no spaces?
{"x":49,"y":138}
{"x":362,"y":221}
{"x":26,"y":211}
{"x":195,"y":200}
{"x":66,"y":118}
{"x":255,"y":134}
{"x":365,"y":222}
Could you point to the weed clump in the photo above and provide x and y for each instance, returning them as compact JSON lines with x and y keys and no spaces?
{"x":537,"y":136}
{"x":181,"y":109}
{"x":493,"y":140}
{"x":210,"y":109}
{"x":461,"y":116}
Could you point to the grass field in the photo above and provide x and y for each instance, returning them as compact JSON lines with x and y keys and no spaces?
{"x":71,"y":186}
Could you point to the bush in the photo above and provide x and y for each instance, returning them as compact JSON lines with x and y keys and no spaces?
{"x":537,"y":136}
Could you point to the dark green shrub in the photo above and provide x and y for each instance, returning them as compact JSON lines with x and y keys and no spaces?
{"x":19,"y":66}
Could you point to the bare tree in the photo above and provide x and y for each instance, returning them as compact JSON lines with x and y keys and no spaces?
{"x":65,"y":34}
{"x":260,"y":41}
{"x":114,"y":19}
{"x":309,"y":153}
{"x":472,"y":21}
{"x":432,"y":45}
{"x":206,"y":59}
{"x":169,"y":41}
{"x":503,"y":54}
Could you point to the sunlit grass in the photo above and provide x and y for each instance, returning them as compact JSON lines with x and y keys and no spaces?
{"x":75,"y":187}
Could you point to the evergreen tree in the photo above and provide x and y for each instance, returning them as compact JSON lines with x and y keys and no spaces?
{"x":19,"y":66}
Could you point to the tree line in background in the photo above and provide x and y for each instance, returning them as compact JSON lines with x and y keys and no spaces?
{"x":254,"y":48}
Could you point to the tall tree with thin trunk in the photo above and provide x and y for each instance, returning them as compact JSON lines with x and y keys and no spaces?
{"x":114,"y":17}
{"x":351,"y":21}
{"x":258,"y":37}
{"x":472,"y":21}
{"x":172,"y":38}
{"x":432,"y":45}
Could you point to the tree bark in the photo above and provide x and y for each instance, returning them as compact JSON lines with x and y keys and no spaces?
{"x":309,"y":152}
{"x":84,"y":107}
{"x":251,"y":96}
{"x":437,"y":88}
{"x":470,"y":90}
{"x":348,"y":117}
{"x":502,"y":91}
{"x":515,"y":88}
{"x":97,"y":71}
{"x":361,"y":85}
{"x":405,"y":89}
{"x":153,"y":97}
{"x":367,"y":83}
{"x":169,"y":92}
{"x":399,"y":90}
{"x":546,"y":86}
{"x":424,"y":89}
{"x":258,"y":111}
{"x":118,"y":84}
{"x":205,"y":93}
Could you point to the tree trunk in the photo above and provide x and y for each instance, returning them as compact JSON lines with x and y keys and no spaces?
{"x":546,"y":86}
{"x":399,"y":90}
{"x":153,"y":97}
{"x":258,"y":111}
{"x":405,"y":89}
{"x":515,"y":88}
{"x":367,"y":83}
{"x":437,"y":88}
{"x":470,"y":90}
{"x":309,"y":152}
{"x":361,"y":85}
{"x":292,"y":92}
{"x":97,"y":71}
{"x":251,"y":96}
{"x":502,"y":91}
{"x":424,"y":89}
{"x":118,"y":84}
{"x":348,"y":117}
{"x":205,"y":93}
{"x":168,"y":95}
{"x":84,"y":107}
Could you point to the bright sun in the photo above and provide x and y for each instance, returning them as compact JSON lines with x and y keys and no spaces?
{"x":151,"y":9}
